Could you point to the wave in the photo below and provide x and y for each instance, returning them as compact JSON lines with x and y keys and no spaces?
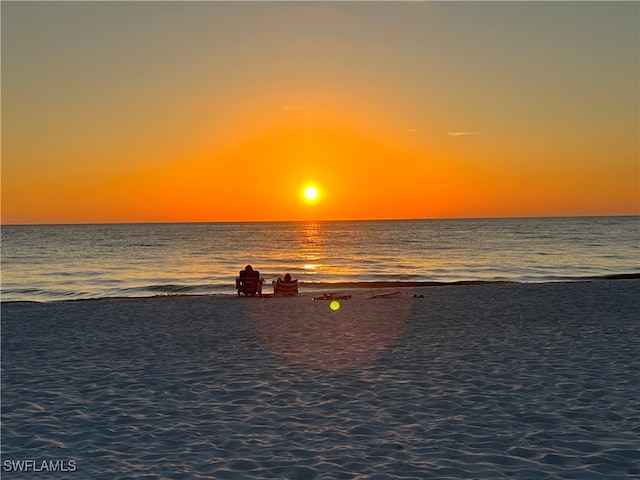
{"x":179,"y":290}
{"x":170,"y":288}
{"x":395,"y":284}
{"x":616,"y":276}
{"x":400,"y":283}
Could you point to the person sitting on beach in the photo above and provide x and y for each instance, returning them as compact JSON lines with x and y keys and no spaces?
{"x":286,"y":287}
{"x":249,"y":282}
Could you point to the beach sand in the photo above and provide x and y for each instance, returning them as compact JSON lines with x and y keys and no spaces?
{"x":519,"y":381}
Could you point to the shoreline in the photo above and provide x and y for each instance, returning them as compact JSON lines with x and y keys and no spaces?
{"x":308,"y":289}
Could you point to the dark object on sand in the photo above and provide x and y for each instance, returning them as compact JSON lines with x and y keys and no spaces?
{"x":249,"y":283}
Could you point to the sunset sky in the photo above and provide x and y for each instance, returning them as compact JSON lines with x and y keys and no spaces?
{"x":228,"y":111}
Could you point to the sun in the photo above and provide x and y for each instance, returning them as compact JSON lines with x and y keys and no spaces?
{"x":311,"y":193}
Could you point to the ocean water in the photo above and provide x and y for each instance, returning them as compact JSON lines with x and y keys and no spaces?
{"x":58,"y":262}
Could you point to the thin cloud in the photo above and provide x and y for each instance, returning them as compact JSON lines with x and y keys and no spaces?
{"x":462,"y":134}
{"x":412,"y":130}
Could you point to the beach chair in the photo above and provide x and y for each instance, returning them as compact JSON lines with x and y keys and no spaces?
{"x":286,"y":287}
{"x":249,"y":283}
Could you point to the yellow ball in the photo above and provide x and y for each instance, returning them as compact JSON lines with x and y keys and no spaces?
{"x":334,"y":305}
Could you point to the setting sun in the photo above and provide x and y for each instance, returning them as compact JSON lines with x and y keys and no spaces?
{"x":311,"y":193}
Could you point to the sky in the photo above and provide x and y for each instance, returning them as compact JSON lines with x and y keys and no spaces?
{"x":227,"y":111}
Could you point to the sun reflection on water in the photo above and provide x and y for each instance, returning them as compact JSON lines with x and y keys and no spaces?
{"x":311,"y":246}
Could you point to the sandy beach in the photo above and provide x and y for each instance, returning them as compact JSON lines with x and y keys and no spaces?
{"x":519,"y":381}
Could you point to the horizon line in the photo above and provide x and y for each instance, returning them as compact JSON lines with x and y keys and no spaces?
{"x":195,"y":222}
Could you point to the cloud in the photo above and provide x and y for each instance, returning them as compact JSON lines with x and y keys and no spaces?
{"x":412,"y":130}
{"x":461,"y":134}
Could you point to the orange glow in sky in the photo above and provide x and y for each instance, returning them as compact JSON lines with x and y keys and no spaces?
{"x":223,"y":111}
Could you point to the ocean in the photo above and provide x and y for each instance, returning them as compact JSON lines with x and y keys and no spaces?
{"x":61,"y":262}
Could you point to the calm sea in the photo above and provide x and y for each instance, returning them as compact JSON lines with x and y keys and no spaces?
{"x":56,"y":262}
